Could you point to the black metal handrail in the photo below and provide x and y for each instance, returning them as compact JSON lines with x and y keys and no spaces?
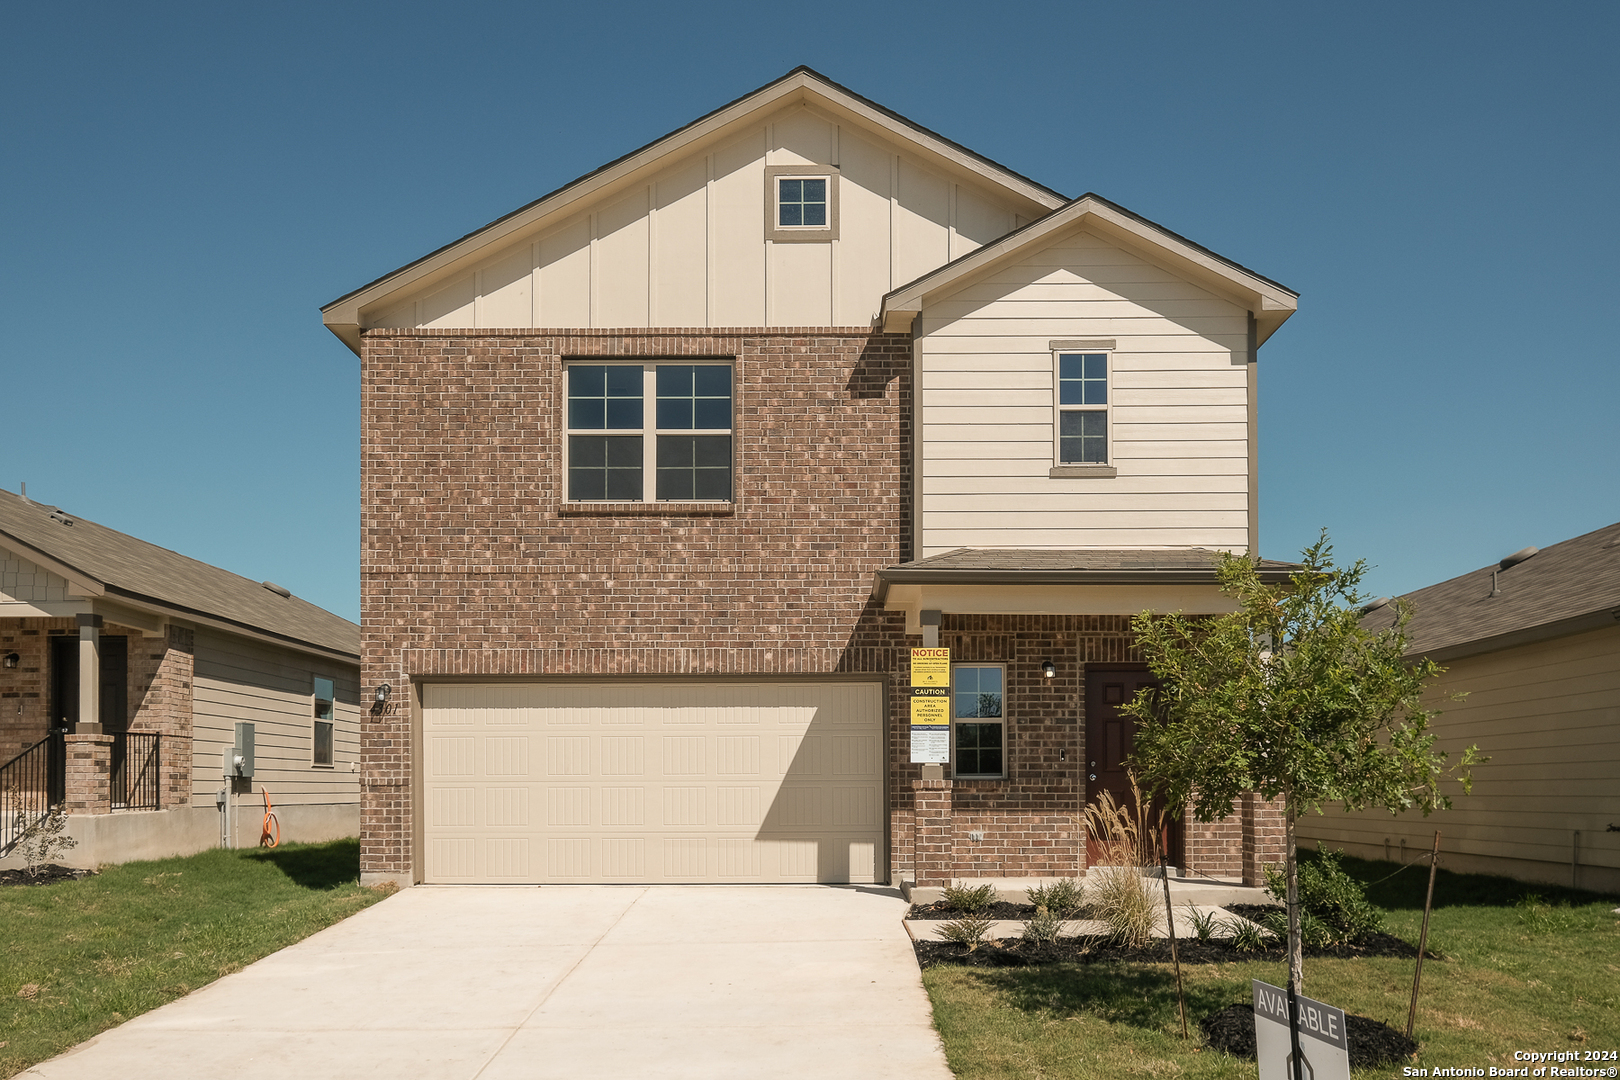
{"x":134,"y":769}
{"x":30,"y":784}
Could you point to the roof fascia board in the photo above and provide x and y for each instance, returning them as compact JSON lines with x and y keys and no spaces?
{"x":1271,"y":303}
{"x":84,"y":584}
{"x":1530,"y":635}
{"x":342,"y":316}
{"x":882,"y":579}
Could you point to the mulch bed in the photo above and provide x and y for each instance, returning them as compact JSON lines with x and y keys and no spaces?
{"x":939,"y":909}
{"x":49,"y":875}
{"x":1371,"y":1043}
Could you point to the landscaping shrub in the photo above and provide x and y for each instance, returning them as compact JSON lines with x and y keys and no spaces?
{"x":1063,"y":898}
{"x":1043,"y":928}
{"x":1332,"y":903}
{"x":970,"y":900}
{"x":968,"y":930}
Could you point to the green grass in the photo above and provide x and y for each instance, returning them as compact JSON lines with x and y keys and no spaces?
{"x":1517,"y":974}
{"x":78,"y":957}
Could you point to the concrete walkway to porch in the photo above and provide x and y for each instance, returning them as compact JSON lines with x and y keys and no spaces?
{"x":605,"y":982}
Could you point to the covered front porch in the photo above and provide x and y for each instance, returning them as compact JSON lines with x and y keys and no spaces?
{"x":1052,"y":629}
{"x":95,"y":715}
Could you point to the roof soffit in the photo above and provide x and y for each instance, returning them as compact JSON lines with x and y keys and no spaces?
{"x":801,"y":87}
{"x":1270,"y":302}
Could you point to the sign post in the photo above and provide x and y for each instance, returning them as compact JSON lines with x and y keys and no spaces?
{"x":930,"y":706}
{"x":1324,"y":1047}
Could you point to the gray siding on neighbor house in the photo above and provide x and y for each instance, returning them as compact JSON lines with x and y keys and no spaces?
{"x":238,"y":679}
{"x":1548,"y":714}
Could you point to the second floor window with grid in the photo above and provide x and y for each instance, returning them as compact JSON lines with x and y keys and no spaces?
{"x":615,"y":443}
{"x":1082,"y":408}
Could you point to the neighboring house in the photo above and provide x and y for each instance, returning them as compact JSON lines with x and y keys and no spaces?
{"x":1534,"y":643}
{"x":666,"y":473}
{"x":125,"y":669}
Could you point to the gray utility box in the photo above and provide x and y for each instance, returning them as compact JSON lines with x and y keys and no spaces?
{"x":243,"y":755}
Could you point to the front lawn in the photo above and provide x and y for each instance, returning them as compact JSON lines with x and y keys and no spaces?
{"x":84,"y":956}
{"x":1516,"y":975}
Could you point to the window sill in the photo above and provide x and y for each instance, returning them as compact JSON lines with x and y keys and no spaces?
{"x":648,"y":509}
{"x":1082,"y":472}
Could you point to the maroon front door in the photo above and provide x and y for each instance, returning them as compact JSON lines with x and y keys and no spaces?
{"x":1109,"y":740}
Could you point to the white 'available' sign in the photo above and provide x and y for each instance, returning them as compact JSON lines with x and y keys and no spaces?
{"x":1323,"y":1042}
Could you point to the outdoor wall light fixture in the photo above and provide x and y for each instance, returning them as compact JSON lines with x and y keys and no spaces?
{"x":382,"y":693}
{"x":12,"y":659}
{"x":1048,"y":668}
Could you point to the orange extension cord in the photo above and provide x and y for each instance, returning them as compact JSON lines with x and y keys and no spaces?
{"x":271,"y":836}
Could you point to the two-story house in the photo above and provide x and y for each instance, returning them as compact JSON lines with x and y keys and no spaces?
{"x":667,"y":473}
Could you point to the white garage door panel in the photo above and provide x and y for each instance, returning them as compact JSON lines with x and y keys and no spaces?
{"x":653,"y":782}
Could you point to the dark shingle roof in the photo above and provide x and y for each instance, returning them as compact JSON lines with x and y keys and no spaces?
{"x":1064,"y":566}
{"x":1560,"y":588}
{"x":136,"y":570}
{"x":1080,"y":559}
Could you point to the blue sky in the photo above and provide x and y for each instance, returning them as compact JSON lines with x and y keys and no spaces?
{"x":185,"y":184}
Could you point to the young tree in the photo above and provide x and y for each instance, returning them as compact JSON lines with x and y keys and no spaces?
{"x":1291,"y":696}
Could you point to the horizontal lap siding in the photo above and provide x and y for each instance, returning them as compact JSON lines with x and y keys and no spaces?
{"x":1179,"y":396}
{"x":1548,"y":715}
{"x":240,"y":680}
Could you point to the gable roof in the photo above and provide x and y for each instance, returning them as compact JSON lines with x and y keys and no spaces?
{"x":1271,"y":302}
{"x":103,"y":562}
{"x":1562,"y":589}
{"x":802,"y":84}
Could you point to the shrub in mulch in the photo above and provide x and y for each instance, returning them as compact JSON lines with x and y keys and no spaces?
{"x":1371,"y":1043}
{"x":1015,"y":952}
{"x":48,"y":875}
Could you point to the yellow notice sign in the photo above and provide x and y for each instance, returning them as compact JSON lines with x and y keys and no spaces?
{"x":931,"y":667}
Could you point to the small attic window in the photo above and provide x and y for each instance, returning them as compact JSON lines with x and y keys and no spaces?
{"x":801,"y":200}
{"x":801,"y":203}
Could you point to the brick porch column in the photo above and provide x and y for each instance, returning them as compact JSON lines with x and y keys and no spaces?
{"x":934,"y":857}
{"x":1265,"y":837}
{"x":89,"y":773}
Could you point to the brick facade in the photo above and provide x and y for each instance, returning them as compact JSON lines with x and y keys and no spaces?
{"x":473,"y":563}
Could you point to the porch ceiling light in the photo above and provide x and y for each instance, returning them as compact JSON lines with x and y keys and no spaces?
{"x":12,"y":659}
{"x":1048,"y":668}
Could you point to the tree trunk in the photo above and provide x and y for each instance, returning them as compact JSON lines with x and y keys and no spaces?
{"x":1296,"y":948}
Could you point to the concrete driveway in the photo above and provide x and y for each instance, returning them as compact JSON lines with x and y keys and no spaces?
{"x":563,"y":981}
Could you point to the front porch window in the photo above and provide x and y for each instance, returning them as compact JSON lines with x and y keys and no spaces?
{"x":977,"y":717}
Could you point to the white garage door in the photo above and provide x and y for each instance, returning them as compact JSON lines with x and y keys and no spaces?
{"x":653,"y":782}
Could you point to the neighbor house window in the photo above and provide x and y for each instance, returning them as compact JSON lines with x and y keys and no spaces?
{"x":801,"y":203}
{"x":976,"y":711}
{"x":322,"y":753}
{"x":677,"y":450}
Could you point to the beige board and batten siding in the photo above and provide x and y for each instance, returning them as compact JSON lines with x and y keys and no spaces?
{"x":653,"y":782}
{"x":1178,"y":383}
{"x":1548,"y":716}
{"x":238,"y":679}
{"x":687,"y":248}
